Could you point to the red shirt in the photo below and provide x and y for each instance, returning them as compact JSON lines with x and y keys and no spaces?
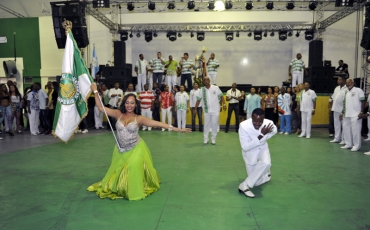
{"x":146,"y":98}
{"x":166,"y":99}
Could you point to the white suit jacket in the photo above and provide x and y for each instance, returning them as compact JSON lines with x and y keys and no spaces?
{"x":251,"y":146}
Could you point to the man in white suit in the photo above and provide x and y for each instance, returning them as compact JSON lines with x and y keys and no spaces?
{"x":253,"y":136}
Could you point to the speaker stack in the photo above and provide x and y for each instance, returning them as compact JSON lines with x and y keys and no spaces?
{"x":73,"y":11}
{"x":121,"y":72}
{"x":320,"y":77}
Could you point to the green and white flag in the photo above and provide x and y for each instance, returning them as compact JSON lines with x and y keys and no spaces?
{"x":74,"y":89}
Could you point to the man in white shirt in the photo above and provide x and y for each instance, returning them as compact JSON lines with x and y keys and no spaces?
{"x":232,"y":96}
{"x":253,"y":136}
{"x":130,"y":89}
{"x":44,"y":117}
{"x":284,"y":103}
{"x":141,"y":72}
{"x":337,"y":108}
{"x":157,"y":65}
{"x":296,"y":67}
{"x":353,"y":105}
{"x":193,"y":100}
{"x":115,"y":96}
{"x":210,"y":95}
{"x":212,"y":65}
{"x":186,"y":66}
{"x":307,"y":108}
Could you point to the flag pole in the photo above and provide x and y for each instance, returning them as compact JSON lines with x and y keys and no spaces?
{"x":111,"y":127}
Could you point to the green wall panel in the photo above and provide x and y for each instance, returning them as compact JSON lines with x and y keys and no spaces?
{"x":27,"y":42}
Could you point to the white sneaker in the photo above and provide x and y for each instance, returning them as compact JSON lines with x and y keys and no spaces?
{"x":302,"y":135}
{"x":85,"y":131}
{"x":367,"y":139}
{"x":308,"y":137}
{"x":144,"y":128}
{"x":286,"y":133}
{"x":247,"y":192}
{"x":342,"y":143}
{"x":334,"y":141}
{"x":3,"y":138}
{"x":367,"y":153}
{"x":150,"y":128}
{"x":213,"y":142}
{"x":331,"y":135}
{"x":354,"y":149}
{"x":346,"y":147}
{"x":96,"y":127}
{"x":101,"y":127}
{"x":205,"y":142}
{"x":281,"y":132}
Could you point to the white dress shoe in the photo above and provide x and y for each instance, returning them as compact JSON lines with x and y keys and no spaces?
{"x":286,"y":133}
{"x":213,"y":142}
{"x":367,"y":139}
{"x":308,"y":137}
{"x":342,"y":143}
{"x":247,"y":193}
{"x":205,"y":142}
{"x":281,"y":132}
{"x":302,"y":135}
{"x":367,"y":153}
{"x":346,"y":147}
{"x":334,"y":141}
{"x":144,"y":128}
{"x":354,"y":149}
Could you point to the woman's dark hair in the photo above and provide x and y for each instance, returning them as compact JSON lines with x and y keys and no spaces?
{"x":123,"y":108}
{"x":17,"y":93}
{"x":177,"y":87}
{"x":1,"y":89}
{"x":56,"y":86}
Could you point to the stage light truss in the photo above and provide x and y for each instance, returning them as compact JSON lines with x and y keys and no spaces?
{"x":6,"y":9}
{"x":101,"y":18}
{"x":217,"y":28}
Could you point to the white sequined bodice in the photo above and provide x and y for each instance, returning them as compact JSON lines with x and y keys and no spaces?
{"x":128,"y":136}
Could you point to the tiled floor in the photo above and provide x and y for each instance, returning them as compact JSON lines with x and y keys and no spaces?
{"x":315,"y":184}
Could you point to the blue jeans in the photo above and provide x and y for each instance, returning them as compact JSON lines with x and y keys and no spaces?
{"x":157,"y":77}
{"x":6,"y":113}
{"x":285,"y":123}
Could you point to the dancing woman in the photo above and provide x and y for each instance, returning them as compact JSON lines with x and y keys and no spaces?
{"x":131,"y":174}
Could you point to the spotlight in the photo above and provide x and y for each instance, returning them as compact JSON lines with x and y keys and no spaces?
{"x":308,"y":35}
{"x":237,"y":34}
{"x":257,"y":35}
{"x":265,"y":34}
{"x":339,"y":3}
{"x":138,"y":35}
{"x":228,"y":5}
{"x":200,"y":36}
{"x":179,"y":35}
{"x":290,"y":33}
{"x":151,"y":5}
{"x":282,"y":35}
{"x":124,"y":35}
{"x":211,"y":5}
{"x":290,"y":5}
{"x":171,"y":36}
{"x":250,"y":34}
{"x":297,"y":34}
{"x":272,"y":34}
{"x":229,"y":36}
{"x":219,"y":6}
{"x":131,"y":35}
{"x":249,"y":5}
{"x":270,"y":5}
{"x":155,"y":34}
{"x":191,"y":5}
{"x":101,"y":3}
{"x":312,"y":5}
{"x":171,"y":5}
{"x":130,"y":6}
{"x":148,"y":36}
{"x":191,"y":34}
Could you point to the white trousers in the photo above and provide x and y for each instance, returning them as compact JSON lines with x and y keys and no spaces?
{"x":34,"y":118}
{"x":213,"y":77}
{"x":297,"y":77}
{"x":146,"y":113}
{"x":171,"y":81}
{"x":258,"y":173}
{"x":167,"y":112}
{"x":141,"y":81}
{"x":368,"y":126}
{"x":306,"y":123}
{"x":98,"y":117}
{"x":352,"y":132}
{"x":211,"y":121}
{"x":339,"y":136}
{"x":249,"y":115}
{"x":181,"y":118}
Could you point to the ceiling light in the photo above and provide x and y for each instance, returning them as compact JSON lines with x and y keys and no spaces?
{"x":270,"y":5}
{"x":229,"y":36}
{"x":257,"y":35}
{"x":237,"y":34}
{"x":148,"y":36}
{"x":290,"y":33}
{"x":138,"y":35}
{"x":228,"y":5}
{"x":308,"y":35}
{"x":219,"y":6}
{"x":171,"y":36}
{"x":265,"y":34}
{"x":131,"y":35}
{"x":250,"y":34}
{"x":211,"y":5}
{"x":191,"y":34}
{"x":171,"y":5}
{"x":151,"y":5}
{"x":272,"y":34}
{"x":283,"y":35}
{"x":290,"y":5}
{"x":191,"y":5}
{"x":297,"y":34}
{"x":130,"y":6}
{"x":179,"y":35}
{"x":249,"y":5}
{"x":155,"y":34}
{"x":312,"y":5}
{"x":200,"y":36}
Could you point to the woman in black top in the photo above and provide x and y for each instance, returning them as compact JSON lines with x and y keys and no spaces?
{"x":6,"y":108}
{"x":242,"y":114}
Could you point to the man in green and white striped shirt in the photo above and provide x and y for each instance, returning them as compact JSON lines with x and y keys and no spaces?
{"x":158,"y":66}
{"x":186,"y":65}
{"x":212,"y":66}
{"x":296,"y":67}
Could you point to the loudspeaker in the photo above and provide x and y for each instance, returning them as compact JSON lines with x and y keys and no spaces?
{"x":119,"y":54}
{"x":9,"y":68}
{"x":74,"y":12}
{"x":321,"y":79}
{"x":365,"y":41}
{"x":315,"y":53}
